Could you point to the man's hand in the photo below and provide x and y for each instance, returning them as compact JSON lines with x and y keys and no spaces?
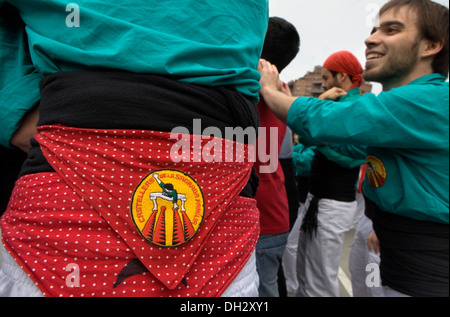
{"x":270,"y":77}
{"x":333,"y":94}
{"x":373,"y":243}
{"x":286,"y":90}
{"x":27,"y":129}
{"x":272,"y":90}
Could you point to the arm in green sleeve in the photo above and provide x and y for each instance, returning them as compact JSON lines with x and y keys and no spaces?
{"x":338,"y":158}
{"x":19,"y":80}
{"x":302,"y":157}
{"x":389,"y":120}
{"x":351,"y":151}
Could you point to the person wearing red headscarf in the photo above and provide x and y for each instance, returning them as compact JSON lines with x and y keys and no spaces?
{"x":342,"y":70}
{"x":331,"y":206}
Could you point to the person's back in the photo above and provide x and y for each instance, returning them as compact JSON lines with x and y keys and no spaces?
{"x":212,"y":44}
{"x":120,"y":80}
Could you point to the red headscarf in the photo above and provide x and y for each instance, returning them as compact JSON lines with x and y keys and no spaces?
{"x":345,"y":62}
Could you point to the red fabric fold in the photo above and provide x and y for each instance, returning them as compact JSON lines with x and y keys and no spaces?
{"x":97,"y":173}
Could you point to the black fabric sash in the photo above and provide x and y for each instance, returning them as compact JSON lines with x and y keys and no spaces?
{"x":332,"y":181}
{"x":121,"y":100}
{"x":310,"y":222}
{"x":414,"y":254}
{"x":328,"y":180}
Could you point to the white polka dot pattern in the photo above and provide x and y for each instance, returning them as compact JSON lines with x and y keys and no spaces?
{"x":80,"y":215}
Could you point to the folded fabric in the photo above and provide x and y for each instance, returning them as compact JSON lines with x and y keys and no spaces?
{"x":86,"y":214}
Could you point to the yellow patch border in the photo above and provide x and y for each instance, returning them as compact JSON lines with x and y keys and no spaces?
{"x":377,"y":177}
{"x":155,"y":215}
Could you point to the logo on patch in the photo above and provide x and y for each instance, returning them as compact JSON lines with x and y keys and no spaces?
{"x":376,"y":171}
{"x":168,"y":208}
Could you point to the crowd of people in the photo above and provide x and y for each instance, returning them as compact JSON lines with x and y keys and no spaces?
{"x":94,"y":204}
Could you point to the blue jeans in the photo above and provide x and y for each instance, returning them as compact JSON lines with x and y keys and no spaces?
{"x":269,"y":252}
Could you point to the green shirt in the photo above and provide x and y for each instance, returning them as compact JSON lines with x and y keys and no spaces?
{"x":302,"y":157}
{"x":172,"y":194}
{"x":406,"y":131}
{"x":209,"y":43}
{"x":331,"y":151}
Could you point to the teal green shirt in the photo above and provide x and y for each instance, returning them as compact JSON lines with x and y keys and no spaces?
{"x":204,"y":42}
{"x":172,"y":194}
{"x":302,"y":157}
{"x":352,"y":95}
{"x":331,"y":151}
{"x":406,"y":131}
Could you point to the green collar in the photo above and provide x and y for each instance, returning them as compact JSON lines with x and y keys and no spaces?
{"x":352,"y":94}
{"x":428,"y":78}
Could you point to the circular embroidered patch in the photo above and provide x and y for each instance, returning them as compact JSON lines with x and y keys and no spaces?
{"x":168,"y":208}
{"x":376,"y":171}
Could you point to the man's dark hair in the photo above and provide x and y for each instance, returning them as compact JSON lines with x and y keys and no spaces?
{"x":282,"y":43}
{"x":433,"y":25}
{"x":334,"y":74}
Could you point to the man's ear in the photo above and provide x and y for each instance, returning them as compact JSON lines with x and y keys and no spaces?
{"x":342,"y":77}
{"x":432,"y":48}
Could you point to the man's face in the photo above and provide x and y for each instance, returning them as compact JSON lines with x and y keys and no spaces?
{"x":393,"y":48}
{"x":328,"y":80}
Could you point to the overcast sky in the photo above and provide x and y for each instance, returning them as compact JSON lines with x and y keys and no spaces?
{"x":328,"y":26}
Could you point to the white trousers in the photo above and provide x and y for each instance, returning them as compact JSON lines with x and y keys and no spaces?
{"x":14,"y":282}
{"x":290,"y":256}
{"x":319,"y":256}
{"x":246,"y":283}
{"x":360,"y":258}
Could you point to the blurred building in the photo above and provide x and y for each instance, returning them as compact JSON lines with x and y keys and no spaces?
{"x":310,"y":85}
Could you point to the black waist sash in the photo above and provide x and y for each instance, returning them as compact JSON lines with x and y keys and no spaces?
{"x":414,"y":254}
{"x":331,"y":181}
{"x":328,"y":180}
{"x":121,"y":100}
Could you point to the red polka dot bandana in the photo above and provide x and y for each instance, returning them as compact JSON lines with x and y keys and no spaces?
{"x":126,"y":218}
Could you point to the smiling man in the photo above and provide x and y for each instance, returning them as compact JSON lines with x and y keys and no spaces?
{"x":406,"y":134}
{"x":394,"y":45}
